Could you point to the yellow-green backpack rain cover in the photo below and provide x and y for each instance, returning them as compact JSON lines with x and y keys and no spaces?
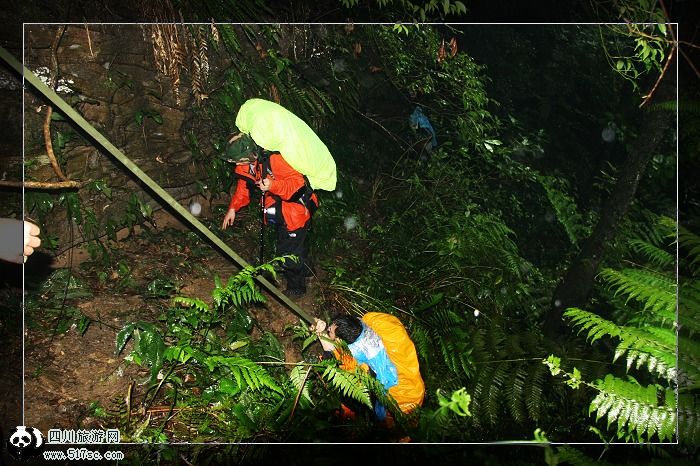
{"x":275,"y":128}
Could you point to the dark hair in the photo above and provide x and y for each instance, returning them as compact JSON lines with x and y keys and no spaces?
{"x":347,"y":328}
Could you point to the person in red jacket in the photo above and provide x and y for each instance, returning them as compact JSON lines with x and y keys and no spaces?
{"x":289,"y":202}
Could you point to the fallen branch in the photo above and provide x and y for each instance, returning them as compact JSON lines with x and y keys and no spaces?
{"x":68,"y":184}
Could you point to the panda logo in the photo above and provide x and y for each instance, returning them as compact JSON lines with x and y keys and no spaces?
{"x":25,"y":442}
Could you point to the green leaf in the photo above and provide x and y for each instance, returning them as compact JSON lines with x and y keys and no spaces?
{"x":245,"y":420}
{"x":123,"y":336}
{"x":237,"y":345}
{"x":101,"y":186}
{"x":228,"y":386}
{"x":83,"y":324}
{"x":309,"y":340}
{"x":554,"y":363}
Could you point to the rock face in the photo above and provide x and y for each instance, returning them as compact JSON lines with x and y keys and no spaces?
{"x":108,"y":74}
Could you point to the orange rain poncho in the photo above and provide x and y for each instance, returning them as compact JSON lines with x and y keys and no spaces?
{"x":410,"y":389}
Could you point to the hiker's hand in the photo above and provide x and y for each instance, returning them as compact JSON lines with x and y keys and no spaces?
{"x":229,"y":218}
{"x":265,"y":184}
{"x":11,"y":230}
{"x":319,"y":326}
{"x":31,"y":238}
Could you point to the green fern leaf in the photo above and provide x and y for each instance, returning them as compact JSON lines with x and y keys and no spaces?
{"x":494,"y":392}
{"x":690,"y":243}
{"x":348,"y":383}
{"x":656,"y":255}
{"x":192,"y":302}
{"x":654,"y":290}
{"x":633,"y":406}
{"x":534,"y":390}
{"x":299,"y":379}
{"x":515,"y":393}
{"x":573,"y":457}
{"x":245,"y":371}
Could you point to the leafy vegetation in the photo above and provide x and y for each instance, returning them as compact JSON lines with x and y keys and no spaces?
{"x":464,"y":242}
{"x":655,"y":403}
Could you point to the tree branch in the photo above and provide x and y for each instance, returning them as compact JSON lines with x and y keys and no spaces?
{"x":661,"y":76}
{"x":53,"y":78}
{"x":46,"y":185}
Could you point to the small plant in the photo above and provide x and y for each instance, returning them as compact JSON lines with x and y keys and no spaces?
{"x":55,"y":299}
{"x":137,"y":213}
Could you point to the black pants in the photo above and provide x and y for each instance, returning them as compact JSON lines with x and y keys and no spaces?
{"x":293,"y":242}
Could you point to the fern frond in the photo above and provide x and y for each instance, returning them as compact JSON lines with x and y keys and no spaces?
{"x":512,"y":262}
{"x":191,"y":302}
{"x":654,"y":254}
{"x":494,"y":342}
{"x":422,"y":339}
{"x":654,"y":347}
{"x":455,"y":354}
{"x":323,"y":97}
{"x":348,"y":383}
{"x":574,"y":457}
{"x":533,"y":392}
{"x":654,"y":290}
{"x":245,"y":372}
{"x":689,"y":305}
{"x":565,"y":208}
{"x":688,"y":362}
{"x":688,"y":423}
{"x":229,"y":37}
{"x":635,"y":407}
{"x":655,"y":229}
{"x":667,"y":106}
{"x":298,"y":376}
{"x":445,"y":319}
{"x":597,"y":326}
{"x":495,"y":390}
{"x":690,"y":243}
{"x":515,"y":393}
{"x":479,"y":394}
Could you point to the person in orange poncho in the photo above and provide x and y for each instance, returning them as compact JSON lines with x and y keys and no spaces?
{"x":289,"y":202}
{"x":381,"y":342}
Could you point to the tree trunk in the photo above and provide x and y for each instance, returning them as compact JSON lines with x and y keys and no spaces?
{"x":575,"y":289}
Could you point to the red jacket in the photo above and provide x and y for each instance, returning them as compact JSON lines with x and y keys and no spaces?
{"x":286,"y":182}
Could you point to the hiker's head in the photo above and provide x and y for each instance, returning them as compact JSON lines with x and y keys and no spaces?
{"x":241,"y":149}
{"x":347,"y":328}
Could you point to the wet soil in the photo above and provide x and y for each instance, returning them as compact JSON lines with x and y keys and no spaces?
{"x":69,"y":376}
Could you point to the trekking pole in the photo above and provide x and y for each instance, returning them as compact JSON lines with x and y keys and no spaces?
{"x":262,"y":228}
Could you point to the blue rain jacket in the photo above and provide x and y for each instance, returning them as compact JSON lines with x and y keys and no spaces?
{"x":369,"y":349}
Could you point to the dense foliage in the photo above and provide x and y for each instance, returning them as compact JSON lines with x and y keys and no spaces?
{"x":465,"y":242}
